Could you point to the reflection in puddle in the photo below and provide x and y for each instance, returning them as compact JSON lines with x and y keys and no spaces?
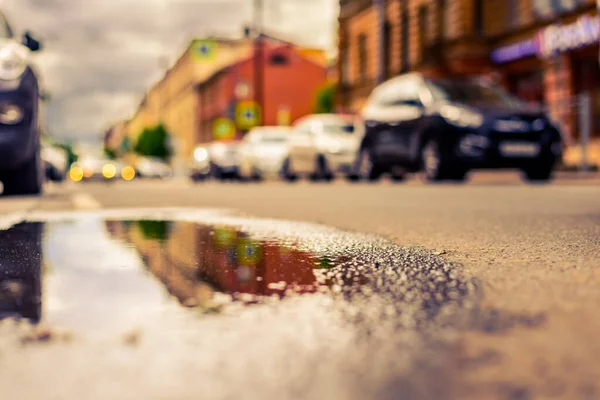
{"x":103,"y":275}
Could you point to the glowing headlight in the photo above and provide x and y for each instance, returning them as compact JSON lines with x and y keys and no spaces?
{"x":109,"y":171}
{"x":462,"y":117}
{"x":128,"y":173}
{"x":13,"y":62}
{"x":200,"y":154}
{"x":76,"y":174}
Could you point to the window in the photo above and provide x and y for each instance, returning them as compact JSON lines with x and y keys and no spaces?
{"x":362,"y":57}
{"x":404,"y":41}
{"x":399,"y":91}
{"x":478,"y":17}
{"x":473,"y":93}
{"x":387,"y":43}
{"x":345,"y":63}
{"x":422,"y":29}
{"x":279,"y":59}
{"x":547,"y":9}
{"x":513,"y":13}
{"x":442,"y":19}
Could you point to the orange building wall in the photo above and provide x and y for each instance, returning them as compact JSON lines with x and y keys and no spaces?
{"x":293,"y":86}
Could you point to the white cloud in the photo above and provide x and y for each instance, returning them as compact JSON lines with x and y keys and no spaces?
{"x":100,"y":55}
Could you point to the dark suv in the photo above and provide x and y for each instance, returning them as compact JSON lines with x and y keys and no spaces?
{"x":20,"y":166}
{"x":448,"y":127}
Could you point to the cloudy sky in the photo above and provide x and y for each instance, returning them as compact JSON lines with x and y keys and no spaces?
{"x":100,"y":55}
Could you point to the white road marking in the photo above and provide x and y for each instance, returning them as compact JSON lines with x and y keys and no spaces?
{"x":85,"y":201}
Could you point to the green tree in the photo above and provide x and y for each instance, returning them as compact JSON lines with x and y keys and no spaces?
{"x":154,"y":230}
{"x":153,"y":142}
{"x":325,"y":99}
{"x":110,"y":153}
{"x":68,"y":148}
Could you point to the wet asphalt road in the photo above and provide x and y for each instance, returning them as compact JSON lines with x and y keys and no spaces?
{"x":487,"y":290}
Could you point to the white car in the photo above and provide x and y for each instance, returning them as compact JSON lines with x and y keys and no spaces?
{"x":224,"y":159}
{"x":153,"y":168}
{"x":263,"y":152}
{"x":322,"y":146}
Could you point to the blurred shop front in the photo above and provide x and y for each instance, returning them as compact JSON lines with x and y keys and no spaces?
{"x":557,"y":66}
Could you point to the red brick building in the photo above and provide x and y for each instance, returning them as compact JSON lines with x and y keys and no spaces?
{"x":290,"y":82}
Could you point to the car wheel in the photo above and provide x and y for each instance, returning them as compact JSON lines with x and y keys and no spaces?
{"x":539,"y":173}
{"x":322,"y":171}
{"x":366,"y":168}
{"x":27,"y":180}
{"x":287,"y":173}
{"x":436,"y":167}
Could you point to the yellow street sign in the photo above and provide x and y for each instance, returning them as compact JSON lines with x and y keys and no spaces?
{"x":204,"y":51}
{"x":223,"y":129}
{"x":284,"y":116}
{"x":247,"y":114}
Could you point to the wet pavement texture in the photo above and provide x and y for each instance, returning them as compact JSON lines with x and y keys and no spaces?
{"x":201,"y":304}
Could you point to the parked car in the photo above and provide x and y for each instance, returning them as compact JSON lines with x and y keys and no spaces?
{"x":323,"y":145}
{"x":199,"y":164}
{"x":55,"y":161}
{"x":224,"y":159}
{"x":96,"y":168}
{"x":21,"y":169}
{"x":263,"y":151}
{"x":447,"y":127}
{"x":153,"y":168}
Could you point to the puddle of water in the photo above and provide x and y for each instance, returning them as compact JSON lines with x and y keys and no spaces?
{"x":96,"y":275}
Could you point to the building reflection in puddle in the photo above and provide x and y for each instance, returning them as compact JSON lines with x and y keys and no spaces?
{"x":194,"y":262}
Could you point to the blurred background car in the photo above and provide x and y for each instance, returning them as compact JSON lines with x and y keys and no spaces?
{"x":55,"y":161}
{"x":152,"y":168}
{"x":263,"y":152}
{"x":448,"y":127}
{"x":20,"y":153}
{"x":92,"y":168}
{"x":322,"y":146}
{"x":199,"y":164}
{"x":224,"y":159}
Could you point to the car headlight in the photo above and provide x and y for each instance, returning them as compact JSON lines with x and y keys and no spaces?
{"x":13,"y":62}
{"x":462,"y":117}
{"x":200,"y":154}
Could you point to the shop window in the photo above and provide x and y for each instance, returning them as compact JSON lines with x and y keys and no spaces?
{"x":404,"y":40}
{"x":362,"y":57}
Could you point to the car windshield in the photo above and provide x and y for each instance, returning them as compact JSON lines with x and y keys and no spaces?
{"x":339,"y":126}
{"x":473,"y":93}
{"x":273,"y":139}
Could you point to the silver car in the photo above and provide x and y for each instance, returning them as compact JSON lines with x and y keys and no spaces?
{"x":322,"y":146}
{"x":263,"y":152}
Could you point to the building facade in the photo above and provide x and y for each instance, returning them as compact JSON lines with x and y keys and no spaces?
{"x":213,"y":73}
{"x":544,"y":51}
{"x":290,"y":81}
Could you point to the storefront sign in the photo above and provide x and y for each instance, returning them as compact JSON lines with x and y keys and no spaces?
{"x":515,"y":51}
{"x":557,"y":39}
{"x":552,"y":40}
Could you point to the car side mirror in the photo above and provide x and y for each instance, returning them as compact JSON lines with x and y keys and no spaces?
{"x":30,"y":42}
